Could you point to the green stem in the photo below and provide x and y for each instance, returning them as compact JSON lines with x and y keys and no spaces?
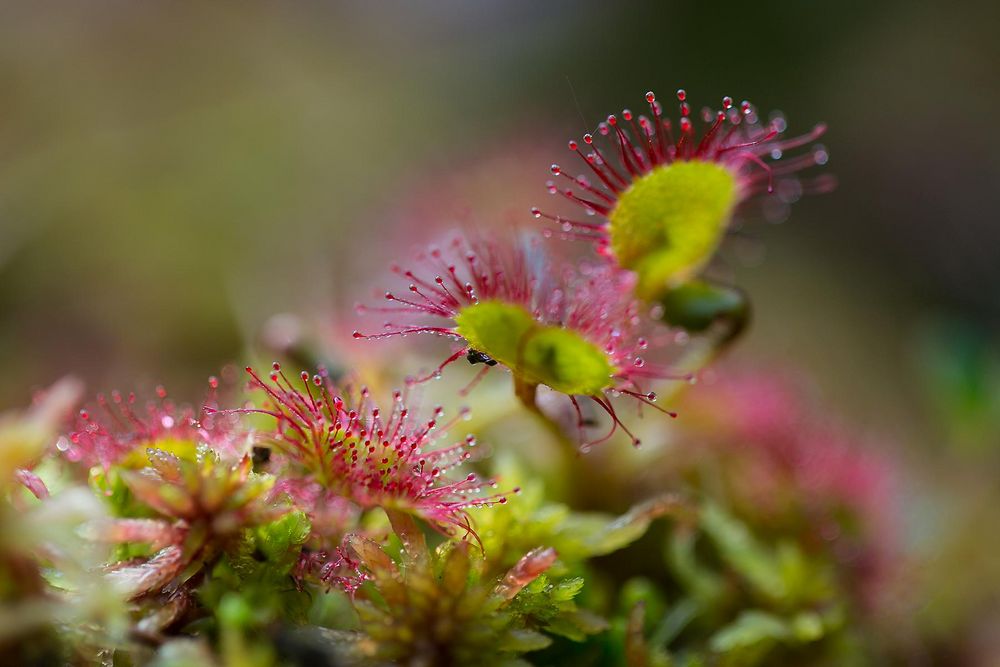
{"x":527,"y":393}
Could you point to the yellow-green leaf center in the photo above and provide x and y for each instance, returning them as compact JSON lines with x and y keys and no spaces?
{"x":536,"y":353}
{"x":138,"y":458}
{"x":670,"y":221}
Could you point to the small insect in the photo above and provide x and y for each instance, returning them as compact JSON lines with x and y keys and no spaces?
{"x":477,"y":357}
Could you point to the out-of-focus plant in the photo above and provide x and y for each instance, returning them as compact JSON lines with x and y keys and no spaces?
{"x":961,"y":372}
{"x":51,"y":599}
{"x":790,"y":467}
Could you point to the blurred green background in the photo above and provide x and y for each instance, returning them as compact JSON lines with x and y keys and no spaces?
{"x":172,"y":174}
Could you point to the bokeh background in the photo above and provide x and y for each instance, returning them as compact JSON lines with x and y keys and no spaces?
{"x":174,"y":174}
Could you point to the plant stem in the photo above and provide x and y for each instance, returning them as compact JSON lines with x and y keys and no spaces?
{"x":527,"y":393}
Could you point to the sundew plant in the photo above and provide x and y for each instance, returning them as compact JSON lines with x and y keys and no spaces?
{"x":570,"y":479}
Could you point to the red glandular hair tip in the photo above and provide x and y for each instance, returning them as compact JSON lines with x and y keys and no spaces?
{"x":733,"y":137}
{"x":593,"y":301}
{"x":375,"y":459}
{"x":119,"y":424}
{"x":336,"y":568}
